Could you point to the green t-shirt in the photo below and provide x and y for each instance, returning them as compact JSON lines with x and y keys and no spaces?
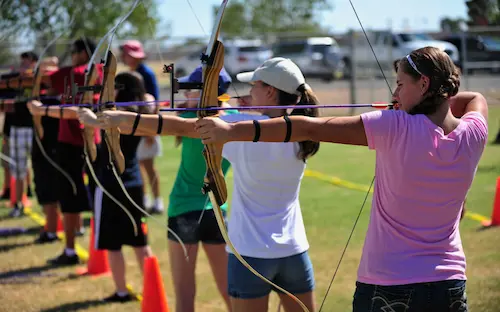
{"x":186,"y":193}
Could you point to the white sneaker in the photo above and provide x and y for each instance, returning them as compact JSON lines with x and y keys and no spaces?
{"x":158,"y":206}
{"x":148,"y":202}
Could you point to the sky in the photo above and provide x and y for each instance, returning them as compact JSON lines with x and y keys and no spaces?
{"x":420,"y":15}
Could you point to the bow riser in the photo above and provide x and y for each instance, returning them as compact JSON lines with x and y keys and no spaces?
{"x":112,"y":136}
{"x":214,"y":177}
{"x":88,"y":97}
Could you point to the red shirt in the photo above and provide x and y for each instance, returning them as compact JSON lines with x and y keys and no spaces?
{"x":70,"y":130}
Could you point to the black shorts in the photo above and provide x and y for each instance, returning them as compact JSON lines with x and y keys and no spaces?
{"x":113,"y":226}
{"x":71,"y":160}
{"x":191,"y":230}
{"x":44,"y":173}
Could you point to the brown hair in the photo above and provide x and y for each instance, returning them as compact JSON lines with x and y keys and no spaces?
{"x":132,"y":90}
{"x":307,"y":97}
{"x":444,"y":77}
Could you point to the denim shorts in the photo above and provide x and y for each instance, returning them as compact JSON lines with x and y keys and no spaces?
{"x":442,"y":296}
{"x":294,"y":274}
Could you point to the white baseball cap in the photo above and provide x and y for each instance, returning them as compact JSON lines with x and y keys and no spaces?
{"x":278,"y":72}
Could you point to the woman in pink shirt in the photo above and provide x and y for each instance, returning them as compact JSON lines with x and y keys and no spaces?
{"x":427,"y":154}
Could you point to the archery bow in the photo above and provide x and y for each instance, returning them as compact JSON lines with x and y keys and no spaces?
{"x":214,"y":182}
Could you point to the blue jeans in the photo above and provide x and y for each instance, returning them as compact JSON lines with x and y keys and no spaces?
{"x":442,"y":296}
{"x":294,"y":274}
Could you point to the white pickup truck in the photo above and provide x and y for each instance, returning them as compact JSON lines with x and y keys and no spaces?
{"x":391,"y":46}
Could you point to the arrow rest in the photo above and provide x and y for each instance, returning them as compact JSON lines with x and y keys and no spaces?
{"x":175,"y":85}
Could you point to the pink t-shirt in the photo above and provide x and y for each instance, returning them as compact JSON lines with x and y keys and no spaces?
{"x":422,"y":177}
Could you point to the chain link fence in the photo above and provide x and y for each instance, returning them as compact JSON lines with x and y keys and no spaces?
{"x":348,"y":71}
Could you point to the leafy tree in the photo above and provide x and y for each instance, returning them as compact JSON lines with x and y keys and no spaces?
{"x":248,"y":18}
{"x":450,"y":24}
{"x":45,"y":19}
{"x":480,"y":12}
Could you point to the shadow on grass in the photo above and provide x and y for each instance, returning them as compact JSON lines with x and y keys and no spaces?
{"x":26,"y":275}
{"x":9,"y":247}
{"x":34,"y":230}
{"x":75,"y":306}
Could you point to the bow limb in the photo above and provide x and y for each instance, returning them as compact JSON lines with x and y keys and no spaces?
{"x":214,"y":182}
{"x":111,"y":136}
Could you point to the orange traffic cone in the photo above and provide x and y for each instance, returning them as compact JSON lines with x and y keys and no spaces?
{"x":98,"y":259}
{"x":153,"y":298}
{"x":13,"y":194}
{"x":495,"y":216}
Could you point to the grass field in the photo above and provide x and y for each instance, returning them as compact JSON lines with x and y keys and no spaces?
{"x":27,"y":284}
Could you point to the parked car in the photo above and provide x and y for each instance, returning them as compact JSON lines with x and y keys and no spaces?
{"x":242,"y":55}
{"x":389,"y":46}
{"x":239,"y":55}
{"x":315,"y":56}
{"x":482,"y":52}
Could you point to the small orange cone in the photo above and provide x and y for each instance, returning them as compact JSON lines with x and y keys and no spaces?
{"x":13,"y":194}
{"x":495,"y":216}
{"x":153,"y":297}
{"x":98,"y":259}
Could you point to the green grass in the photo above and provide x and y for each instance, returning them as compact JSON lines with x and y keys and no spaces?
{"x":329,"y":214}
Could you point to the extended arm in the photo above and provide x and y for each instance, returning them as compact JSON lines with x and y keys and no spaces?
{"x":343,"y":130}
{"x":148,"y":124}
{"x":37,"y":109}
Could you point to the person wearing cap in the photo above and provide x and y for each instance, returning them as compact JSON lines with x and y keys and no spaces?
{"x":150,"y":147}
{"x":69,"y":151}
{"x":266,"y":225}
{"x":190,"y":213}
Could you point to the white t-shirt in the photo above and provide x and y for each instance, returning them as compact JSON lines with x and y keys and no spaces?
{"x":266,"y":220}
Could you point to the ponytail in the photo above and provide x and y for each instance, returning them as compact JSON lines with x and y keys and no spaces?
{"x":307,"y":97}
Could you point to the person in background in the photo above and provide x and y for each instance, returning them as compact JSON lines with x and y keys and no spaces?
{"x":21,"y":136}
{"x":150,"y":147}
{"x":46,"y":193}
